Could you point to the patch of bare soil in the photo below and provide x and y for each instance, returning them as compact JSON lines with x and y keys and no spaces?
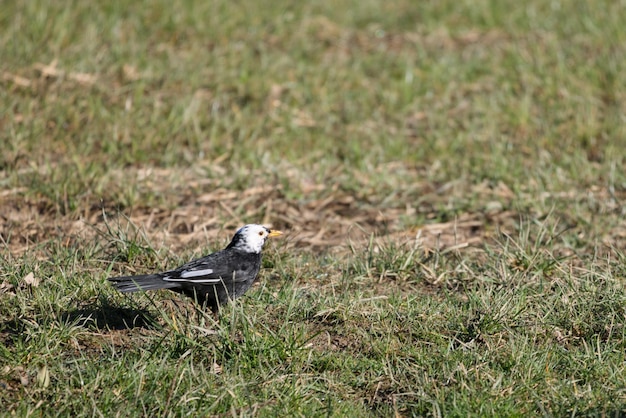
{"x":201,"y":214}
{"x":196,"y":213}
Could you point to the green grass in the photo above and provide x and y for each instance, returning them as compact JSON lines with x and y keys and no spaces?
{"x":450,"y":176}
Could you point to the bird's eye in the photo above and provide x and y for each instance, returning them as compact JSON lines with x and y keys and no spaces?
{"x":260,"y":233}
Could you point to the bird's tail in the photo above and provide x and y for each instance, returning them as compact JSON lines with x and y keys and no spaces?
{"x":144,"y":282}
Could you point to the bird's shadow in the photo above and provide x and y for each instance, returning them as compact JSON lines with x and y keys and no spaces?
{"x":100,"y":315}
{"x":104,"y":315}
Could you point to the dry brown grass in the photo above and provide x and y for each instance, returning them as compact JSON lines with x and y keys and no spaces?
{"x":194,"y":212}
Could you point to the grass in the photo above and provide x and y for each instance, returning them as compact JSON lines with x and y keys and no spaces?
{"x":450,"y":176}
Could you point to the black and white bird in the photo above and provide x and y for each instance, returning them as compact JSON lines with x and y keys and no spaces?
{"x":213,"y":280}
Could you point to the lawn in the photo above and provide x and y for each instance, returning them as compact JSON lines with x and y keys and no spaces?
{"x":449,"y":177}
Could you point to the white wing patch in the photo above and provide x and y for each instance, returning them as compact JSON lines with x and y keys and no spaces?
{"x":195,"y":273}
{"x":205,"y":281}
{"x":188,"y":275}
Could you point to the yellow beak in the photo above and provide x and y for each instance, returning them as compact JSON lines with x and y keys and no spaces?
{"x":274,"y":233}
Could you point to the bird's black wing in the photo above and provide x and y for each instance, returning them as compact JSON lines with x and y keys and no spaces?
{"x":212,"y":269}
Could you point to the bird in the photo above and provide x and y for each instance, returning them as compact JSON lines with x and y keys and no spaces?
{"x":212,"y":280}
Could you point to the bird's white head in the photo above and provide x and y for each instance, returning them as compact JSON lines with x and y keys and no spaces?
{"x":251,"y":238}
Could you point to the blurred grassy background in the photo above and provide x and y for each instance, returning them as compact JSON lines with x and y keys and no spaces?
{"x":473,"y":91}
